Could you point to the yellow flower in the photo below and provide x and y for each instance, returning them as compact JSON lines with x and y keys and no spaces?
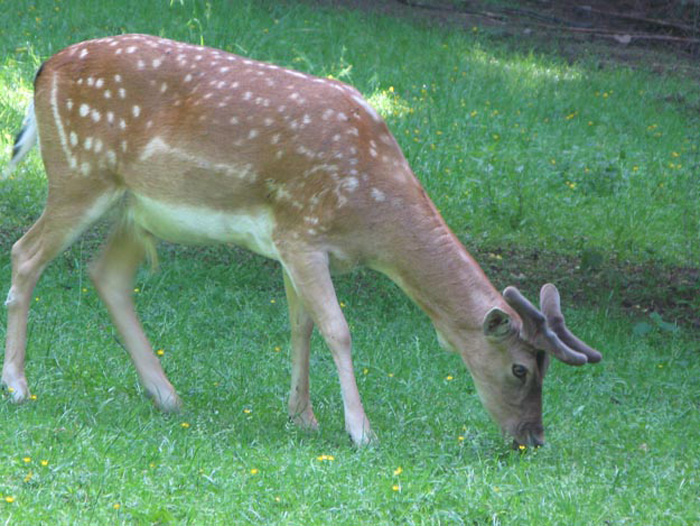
{"x":449,"y":378}
{"x":460,"y":438}
{"x":247,"y":411}
{"x":254,"y":471}
{"x":9,"y":499}
{"x":28,"y":477}
{"x":32,"y":397}
{"x":26,"y":460}
{"x":273,"y":301}
{"x":185,"y":425}
{"x":277,"y":348}
{"x":396,"y":487}
{"x":44,"y":463}
{"x":160,"y":352}
{"x":322,"y":458}
{"x":522,"y":447}
{"x":137,"y":290}
{"x":398,"y":471}
{"x":116,"y":505}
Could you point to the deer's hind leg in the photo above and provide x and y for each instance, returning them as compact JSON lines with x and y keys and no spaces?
{"x":71,"y":208}
{"x":113,"y":274}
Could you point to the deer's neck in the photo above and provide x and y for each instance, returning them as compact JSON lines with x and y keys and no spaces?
{"x":434,"y":269}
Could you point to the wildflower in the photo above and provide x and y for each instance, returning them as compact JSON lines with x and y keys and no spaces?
{"x":273,"y":301}
{"x":522,"y":447}
{"x":365,"y":371}
{"x":460,"y":438}
{"x":254,"y":471}
{"x":449,"y":378}
{"x":26,"y":460}
{"x":137,"y":290}
{"x":396,"y":487}
{"x":398,"y":471}
{"x":342,"y":305}
{"x":28,"y":477}
{"x":185,"y":425}
{"x":325,"y":458}
{"x":116,"y":505}
{"x":44,"y":463}
{"x":277,"y":348}
{"x":9,"y":499}
{"x":247,"y":411}
{"x":675,"y":154}
{"x":32,"y":397}
{"x":160,"y":352}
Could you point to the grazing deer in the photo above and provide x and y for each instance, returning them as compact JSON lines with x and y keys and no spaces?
{"x":196,"y":145}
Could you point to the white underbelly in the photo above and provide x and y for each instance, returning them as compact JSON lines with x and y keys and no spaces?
{"x":189,"y":224}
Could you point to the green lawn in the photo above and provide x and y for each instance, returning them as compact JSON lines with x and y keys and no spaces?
{"x":517,"y":150}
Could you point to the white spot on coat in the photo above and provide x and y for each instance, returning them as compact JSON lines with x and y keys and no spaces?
{"x":378,"y":195}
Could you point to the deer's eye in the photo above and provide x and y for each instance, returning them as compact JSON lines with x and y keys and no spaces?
{"x":519,"y":371}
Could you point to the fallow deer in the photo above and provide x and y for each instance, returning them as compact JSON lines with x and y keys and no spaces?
{"x":195,"y":145}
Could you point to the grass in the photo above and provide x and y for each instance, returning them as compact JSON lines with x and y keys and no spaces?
{"x":516,"y":149}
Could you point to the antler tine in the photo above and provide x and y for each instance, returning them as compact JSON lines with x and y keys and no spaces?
{"x":551,"y":307}
{"x":538,"y":332}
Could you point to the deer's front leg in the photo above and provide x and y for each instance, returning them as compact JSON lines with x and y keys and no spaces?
{"x":310,"y":278}
{"x":300,"y":410}
{"x":113,"y":275}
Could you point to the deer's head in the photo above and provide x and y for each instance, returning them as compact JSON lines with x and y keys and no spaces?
{"x":510,"y":370}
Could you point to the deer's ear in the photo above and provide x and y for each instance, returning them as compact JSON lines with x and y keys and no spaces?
{"x":497,"y":324}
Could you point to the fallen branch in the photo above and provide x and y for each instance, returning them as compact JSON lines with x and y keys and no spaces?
{"x":617,"y":34}
{"x":635,"y":18}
